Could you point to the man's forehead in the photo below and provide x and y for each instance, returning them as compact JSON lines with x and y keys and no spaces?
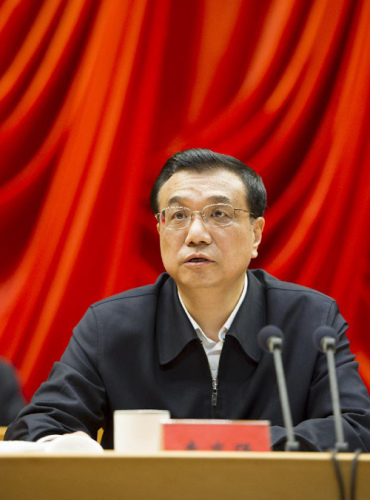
{"x":219,"y":186}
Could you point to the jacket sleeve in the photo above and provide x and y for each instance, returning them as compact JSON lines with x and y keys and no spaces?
{"x":73,"y":398}
{"x":317,"y":432}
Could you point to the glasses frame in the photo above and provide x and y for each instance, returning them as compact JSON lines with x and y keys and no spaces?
{"x":202,"y":214}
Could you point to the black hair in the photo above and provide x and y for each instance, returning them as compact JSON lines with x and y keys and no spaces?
{"x":205,"y":160}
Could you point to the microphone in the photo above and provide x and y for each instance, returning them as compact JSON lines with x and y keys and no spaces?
{"x":325,"y":340}
{"x":270,"y":339}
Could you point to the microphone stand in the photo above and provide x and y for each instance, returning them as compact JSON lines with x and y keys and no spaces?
{"x":275,"y":347}
{"x":328,"y":346}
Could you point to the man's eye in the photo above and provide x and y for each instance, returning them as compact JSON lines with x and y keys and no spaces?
{"x":178,"y":215}
{"x":218,"y":213}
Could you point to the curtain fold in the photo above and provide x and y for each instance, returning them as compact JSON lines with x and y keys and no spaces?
{"x":95,"y":95}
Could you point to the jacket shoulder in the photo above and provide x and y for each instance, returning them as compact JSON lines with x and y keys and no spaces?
{"x":297,"y":305}
{"x":270,"y":283}
{"x":140,"y":292}
{"x":130,"y":314}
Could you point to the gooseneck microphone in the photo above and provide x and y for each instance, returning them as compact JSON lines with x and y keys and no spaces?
{"x":270,"y":339}
{"x":325,"y":340}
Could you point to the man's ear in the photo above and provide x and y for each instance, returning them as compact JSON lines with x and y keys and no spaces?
{"x":258,"y":225}
{"x":158,"y":228}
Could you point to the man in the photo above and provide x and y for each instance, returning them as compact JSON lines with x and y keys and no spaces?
{"x":188,"y":343}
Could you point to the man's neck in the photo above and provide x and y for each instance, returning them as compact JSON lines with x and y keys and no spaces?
{"x":211,"y":307}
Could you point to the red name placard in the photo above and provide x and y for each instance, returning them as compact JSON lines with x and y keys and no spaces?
{"x":222,"y":435}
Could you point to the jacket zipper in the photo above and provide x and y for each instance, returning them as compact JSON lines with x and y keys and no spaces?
{"x":214,"y":392}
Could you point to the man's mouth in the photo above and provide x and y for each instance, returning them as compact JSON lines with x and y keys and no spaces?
{"x":198,"y":260}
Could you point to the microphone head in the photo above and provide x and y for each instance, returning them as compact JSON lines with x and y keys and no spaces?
{"x":266,"y":333}
{"x":320,"y":333}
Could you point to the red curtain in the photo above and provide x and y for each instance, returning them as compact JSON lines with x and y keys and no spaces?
{"x":95,"y":95}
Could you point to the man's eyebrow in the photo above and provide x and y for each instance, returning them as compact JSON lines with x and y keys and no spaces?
{"x":216,"y":198}
{"x":175,"y":199}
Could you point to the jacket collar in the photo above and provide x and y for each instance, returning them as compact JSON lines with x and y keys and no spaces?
{"x":174,"y":330}
{"x":250,"y":318}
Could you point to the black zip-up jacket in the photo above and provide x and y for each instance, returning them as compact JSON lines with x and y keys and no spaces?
{"x":138,"y":350}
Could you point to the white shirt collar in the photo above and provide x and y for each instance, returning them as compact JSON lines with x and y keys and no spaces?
{"x":228,"y":322}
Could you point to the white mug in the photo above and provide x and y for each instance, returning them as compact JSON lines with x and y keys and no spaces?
{"x":138,"y":431}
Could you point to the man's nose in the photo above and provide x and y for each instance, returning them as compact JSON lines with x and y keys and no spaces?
{"x":198,"y":231}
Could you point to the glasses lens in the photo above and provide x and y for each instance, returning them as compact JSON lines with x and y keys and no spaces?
{"x":175,"y":217}
{"x":219,"y":215}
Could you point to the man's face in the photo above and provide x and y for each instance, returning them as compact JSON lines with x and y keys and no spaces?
{"x":200,"y":256}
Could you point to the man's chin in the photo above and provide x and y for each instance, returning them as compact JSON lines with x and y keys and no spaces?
{"x":196,"y":282}
{"x":195,"y":278}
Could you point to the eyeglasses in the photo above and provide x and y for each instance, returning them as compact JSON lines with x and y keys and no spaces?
{"x":216,"y":215}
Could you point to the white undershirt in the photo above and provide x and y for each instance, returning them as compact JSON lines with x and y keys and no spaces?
{"x":212,"y":348}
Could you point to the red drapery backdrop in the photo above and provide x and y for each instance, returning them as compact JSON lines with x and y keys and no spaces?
{"x":95,"y":95}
